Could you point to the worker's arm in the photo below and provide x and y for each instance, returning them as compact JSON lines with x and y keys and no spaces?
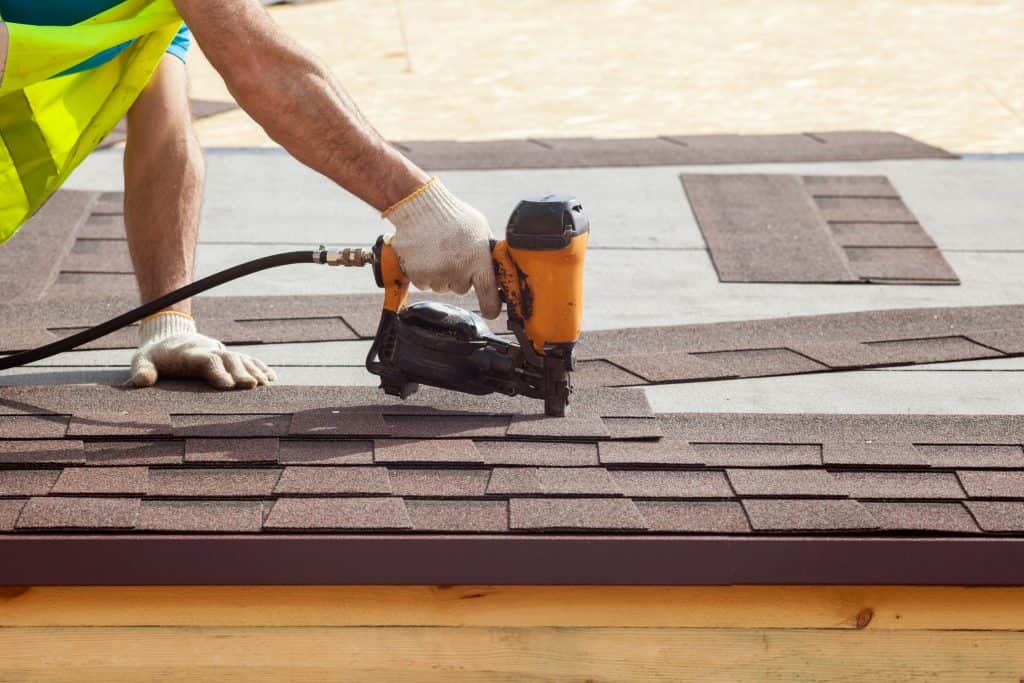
{"x":297,"y":100}
{"x":443,"y":243}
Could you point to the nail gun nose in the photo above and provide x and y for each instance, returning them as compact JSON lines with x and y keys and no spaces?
{"x":343,"y":257}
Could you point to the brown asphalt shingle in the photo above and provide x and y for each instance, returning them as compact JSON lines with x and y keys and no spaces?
{"x":808,"y":515}
{"x":456,"y":451}
{"x":691,"y":516}
{"x":78,"y":512}
{"x":992,"y":483}
{"x":439,"y":483}
{"x":544,"y":481}
{"x":231,"y":450}
{"x":998,"y":517}
{"x":208,"y":516}
{"x":539,"y":453}
{"x":941,"y":517}
{"x":124,"y":481}
{"x":325,"y":452}
{"x":331,"y":480}
{"x":458,"y":515}
{"x":119,"y":453}
{"x":212,"y":483}
{"x":27,"y":482}
{"x":33,"y":426}
{"x":10,"y":508}
{"x":972,"y":455}
{"x":340,"y":514}
{"x":796,"y":483}
{"x":668,"y":484}
{"x":41,"y":451}
{"x":540,"y":514}
{"x":900,"y":485}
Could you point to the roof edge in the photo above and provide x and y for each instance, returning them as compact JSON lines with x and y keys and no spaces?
{"x":38,"y":560}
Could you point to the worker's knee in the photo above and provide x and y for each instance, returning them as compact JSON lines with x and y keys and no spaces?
{"x":160,"y":120}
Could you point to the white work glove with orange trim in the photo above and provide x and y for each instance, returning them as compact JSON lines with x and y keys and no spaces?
{"x":443,"y":244}
{"x":170,"y":346}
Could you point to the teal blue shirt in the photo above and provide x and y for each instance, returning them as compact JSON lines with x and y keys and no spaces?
{"x":68,"y":12}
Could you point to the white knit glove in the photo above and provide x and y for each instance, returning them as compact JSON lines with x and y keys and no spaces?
{"x":443,"y":244}
{"x":171,"y":347}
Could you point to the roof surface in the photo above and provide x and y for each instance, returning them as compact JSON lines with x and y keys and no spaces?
{"x":295,"y":466}
{"x":339,"y":484}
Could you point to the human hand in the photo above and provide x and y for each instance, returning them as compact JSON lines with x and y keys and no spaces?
{"x":170,"y":346}
{"x":444,"y":244}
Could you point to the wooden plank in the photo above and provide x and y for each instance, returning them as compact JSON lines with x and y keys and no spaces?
{"x":840,"y":607}
{"x":506,"y":654}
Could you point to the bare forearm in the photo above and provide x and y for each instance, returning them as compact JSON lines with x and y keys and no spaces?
{"x":297,"y":100}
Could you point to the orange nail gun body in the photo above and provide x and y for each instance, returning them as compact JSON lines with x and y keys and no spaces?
{"x":539,"y":269}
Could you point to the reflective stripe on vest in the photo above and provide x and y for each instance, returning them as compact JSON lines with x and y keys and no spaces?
{"x":49,"y":125}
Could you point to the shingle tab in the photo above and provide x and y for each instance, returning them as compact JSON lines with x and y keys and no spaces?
{"x":439,"y":483}
{"x":119,"y":453}
{"x":593,"y":481}
{"x":672,"y":484}
{"x":992,"y":483}
{"x":338,"y":514}
{"x":76,"y":512}
{"x":208,"y":516}
{"x":632,"y":428}
{"x":231,"y":450}
{"x":337,"y":422}
{"x":446,"y":426}
{"x":124,"y":481}
{"x":333,"y":481}
{"x":27,"y":482}
{"x":785,"y":482}
{"x":900,"y":485}
{"x":807,"y":515}
{"x":998,"y":517}
{"x":971,"y":455}
{"x":910,"y":516}
{"x":455,"y":451}
{"x":669,"y":366}
{"x":694,"y":516}
{"x":118,"y":423}
{"x":212,"y":483}
{"x":33,"y":426}
{"x":761,"y":362}
{"x":224,"y":425}
{"x":10,"y":508}
{"x":574,"y":514}
{"x":41,"y":451}
{"x":601,"y":373}
{"x":871,"y":454}
{"x":326,"y":452}
{"x":458,"y":515}
{"x":540,"y":453}
{"x":666,"y":451}
{"x":574,"y":427}
{"x":758,"y":454}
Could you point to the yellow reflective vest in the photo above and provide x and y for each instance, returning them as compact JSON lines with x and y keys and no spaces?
{"x":49,"y":125}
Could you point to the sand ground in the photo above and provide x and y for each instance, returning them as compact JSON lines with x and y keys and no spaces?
{"x":948,"y":72}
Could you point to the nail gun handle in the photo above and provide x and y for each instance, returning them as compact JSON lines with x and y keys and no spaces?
{"x":387,"y":271}
{"x":507,"y":275}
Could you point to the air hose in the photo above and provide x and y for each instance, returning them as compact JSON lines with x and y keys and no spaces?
{"x":346,"y":257}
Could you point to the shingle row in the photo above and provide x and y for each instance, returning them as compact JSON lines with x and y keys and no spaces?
{"x":581,"y":514}
{"x":348,"y":480}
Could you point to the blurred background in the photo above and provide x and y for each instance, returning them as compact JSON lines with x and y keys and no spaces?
{"x":949,"y":73}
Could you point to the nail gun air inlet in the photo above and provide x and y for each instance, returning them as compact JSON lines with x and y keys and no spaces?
{"x":136,"y":314}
